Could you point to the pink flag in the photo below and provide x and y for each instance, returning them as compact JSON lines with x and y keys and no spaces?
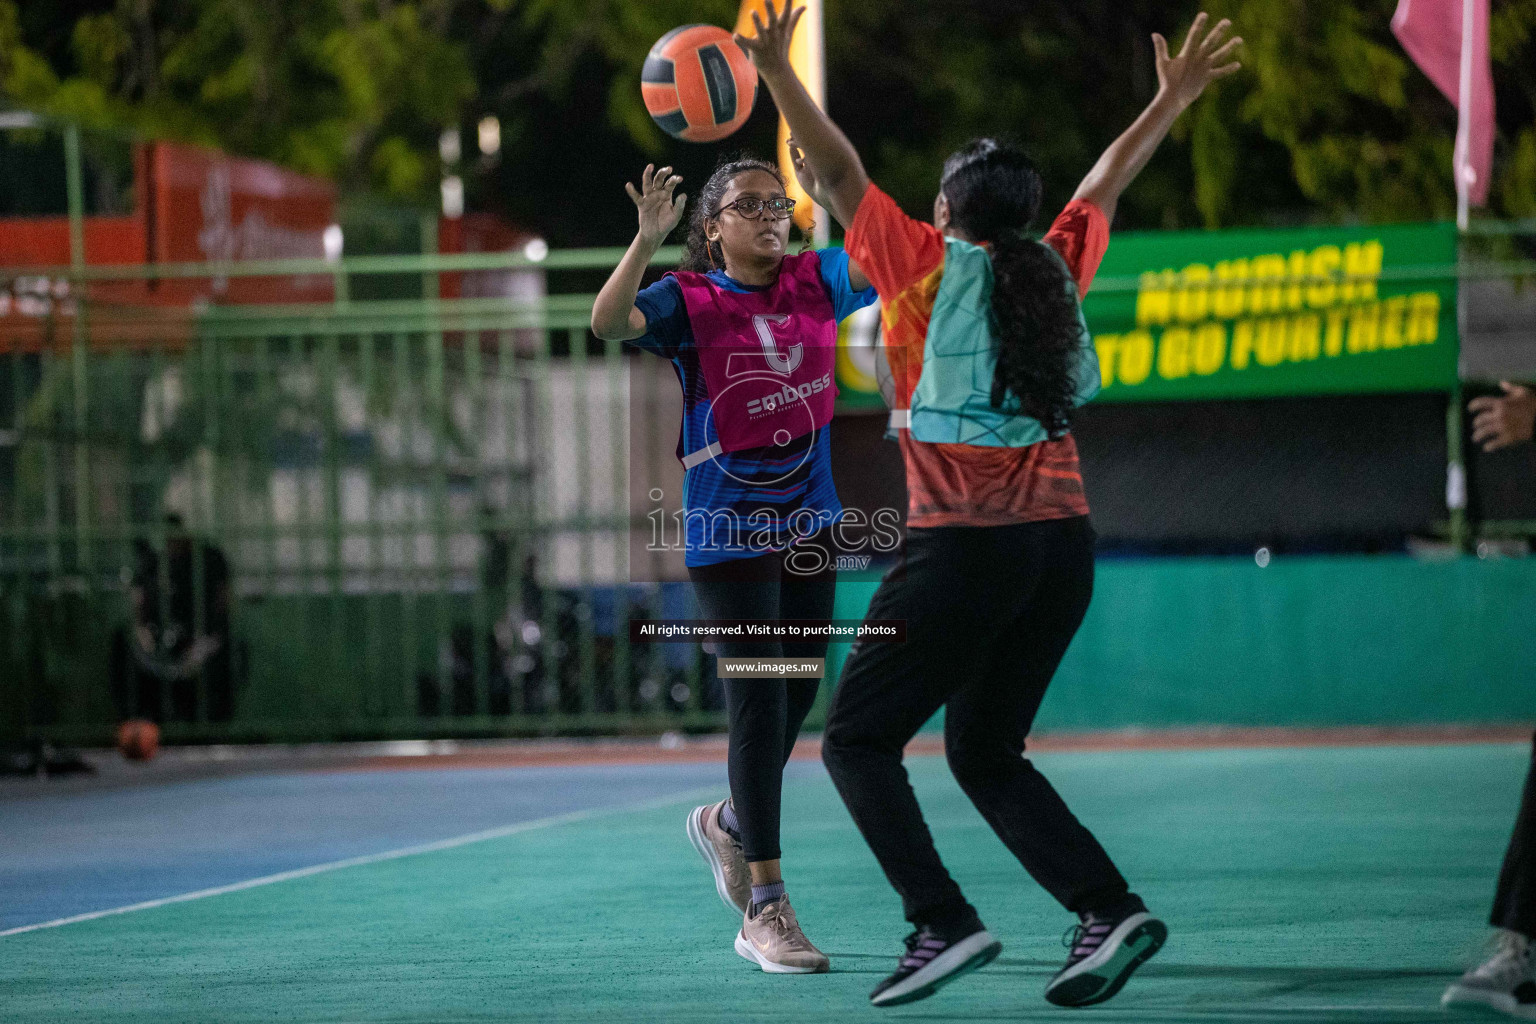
{"x":1431,"y":31}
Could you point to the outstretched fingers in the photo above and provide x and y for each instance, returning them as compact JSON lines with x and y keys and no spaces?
{"x":656,"y":185}
{"x":781,"y":23}
{"x":1214,"y":36}
{"x":777,"y":15}
{"x":1194,"y":33}
{"x":1226,"y":50}
{"x":794,"y":21}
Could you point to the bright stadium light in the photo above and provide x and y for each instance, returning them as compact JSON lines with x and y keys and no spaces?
{"x":490,"y":135}
{"x":453,"y":196}
{"x":536,"y":250}
{"x":448,"y":146}
{"x":332,"y":240}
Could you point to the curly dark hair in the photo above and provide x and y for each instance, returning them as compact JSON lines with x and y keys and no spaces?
{"x":993,"y":190}
{"x":704,"y":255}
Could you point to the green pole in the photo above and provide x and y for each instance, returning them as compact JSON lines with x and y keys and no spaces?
{"x":74,"y":183}
{"x":436,"y":407}
{"x":79,"y":363}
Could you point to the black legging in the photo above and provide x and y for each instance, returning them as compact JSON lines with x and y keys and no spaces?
{"x":1514,"y":906}
{"x":990,"y":611}
{"x":765,"y":714}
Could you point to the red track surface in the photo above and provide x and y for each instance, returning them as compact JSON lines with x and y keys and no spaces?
{"x":713,"y":748}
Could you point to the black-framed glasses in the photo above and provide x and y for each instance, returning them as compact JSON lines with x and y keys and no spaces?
{"x":752,"y":207}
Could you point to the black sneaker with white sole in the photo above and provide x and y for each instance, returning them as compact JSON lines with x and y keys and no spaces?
{"x":1105,"y":950}
{"x":934,"y":959}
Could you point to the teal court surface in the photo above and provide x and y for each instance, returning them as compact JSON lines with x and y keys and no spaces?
{"x":1299,"y":884}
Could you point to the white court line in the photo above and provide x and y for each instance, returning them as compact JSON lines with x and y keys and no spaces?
{"x":1258,"y":1011}
{"x":372,"y":858}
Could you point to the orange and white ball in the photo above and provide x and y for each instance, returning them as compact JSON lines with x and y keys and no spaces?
{"x":698,"y":84}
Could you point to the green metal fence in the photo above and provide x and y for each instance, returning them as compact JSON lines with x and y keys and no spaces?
{"x":366,"y":517}
{"x":356,"y":518}
{"x":359,"y":518}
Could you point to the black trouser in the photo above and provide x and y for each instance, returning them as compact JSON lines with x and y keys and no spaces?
{"x":989,"y":612}
{"x":765,"y":714}
{"x":139,"y":692}
{"x":1514,"y":905}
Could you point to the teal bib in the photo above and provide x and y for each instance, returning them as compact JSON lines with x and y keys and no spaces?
{"x":952,"y":403}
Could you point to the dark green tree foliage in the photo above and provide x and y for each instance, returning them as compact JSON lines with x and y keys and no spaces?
{"x":1359,"y":132}
{"x":350,"y":89}
{"x":1328,"y":122}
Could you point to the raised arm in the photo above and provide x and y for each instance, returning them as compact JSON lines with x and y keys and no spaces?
{"x":857,"y":279}
{"x":1181,"y":79}
{"x":829,"y":156}
{"x":614,"y":314}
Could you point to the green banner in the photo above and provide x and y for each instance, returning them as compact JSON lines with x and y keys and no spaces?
{"x":1253,"y":313}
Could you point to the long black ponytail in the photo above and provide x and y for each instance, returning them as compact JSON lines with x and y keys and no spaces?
{"x":704,"y":255}
{"x":993,"y":190}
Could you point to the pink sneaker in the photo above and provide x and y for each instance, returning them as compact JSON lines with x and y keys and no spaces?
{"x":733,"y":881}
{"x":773,"y":940}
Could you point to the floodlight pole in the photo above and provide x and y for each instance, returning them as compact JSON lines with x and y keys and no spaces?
{"x":822,"y":233}
{"x":1456,"y":466}
{"x":807,"y":56}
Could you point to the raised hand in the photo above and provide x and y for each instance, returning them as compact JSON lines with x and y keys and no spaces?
{"x":839,"y":174}
{"x":1200,"y":61}
{"x":1503,"y":420}
{"x":769,"y":48}
{"x":660,"y":210}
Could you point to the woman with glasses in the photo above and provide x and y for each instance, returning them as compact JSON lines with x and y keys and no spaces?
{"x":752,"y":334}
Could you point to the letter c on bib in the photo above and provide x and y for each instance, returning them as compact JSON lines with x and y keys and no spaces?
{"x":777,"y":361}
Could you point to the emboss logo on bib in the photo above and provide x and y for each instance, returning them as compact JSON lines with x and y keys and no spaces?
{"x":777,"y":400}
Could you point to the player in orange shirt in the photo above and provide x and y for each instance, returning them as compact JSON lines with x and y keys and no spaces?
{"x":989,"y":355}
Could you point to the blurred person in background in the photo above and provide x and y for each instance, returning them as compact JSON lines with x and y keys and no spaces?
{"x":1506,"y":981}
{"x":159,"y":657}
